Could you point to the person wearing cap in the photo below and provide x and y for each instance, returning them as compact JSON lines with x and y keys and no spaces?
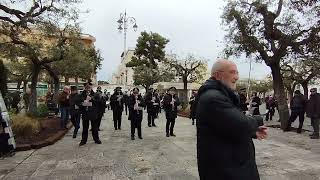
{"x":313,"y":112}
{"x":152,"y":101}
{"x":89,"y":114}
{"x":136,"y":105}
{"x":116,"y":102}
{"x":101,"y":106}
{"x":171,"y":103}
{"x":75,"y":104}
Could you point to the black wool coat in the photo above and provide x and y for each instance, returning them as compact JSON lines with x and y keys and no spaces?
{"x":171,"y":111}
{"x":225,"y":150}
{"x":135,"y":114}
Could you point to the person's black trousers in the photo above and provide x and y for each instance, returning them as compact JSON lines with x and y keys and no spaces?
{"x":126,"y":108}
{"x":117,"y":119}
{"x":270,"y":114}
{"x":85,"y":128}
{"x":75,"y":119}
{"x":170,"y":124}
{"x":315,"y":125}
{"x":293,"y":117}
{"x":100,"y":115}
{"x":136,"y":124}
{"x":151,"y":117}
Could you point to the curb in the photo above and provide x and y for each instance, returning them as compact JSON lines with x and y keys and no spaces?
{"x":49,"y":141}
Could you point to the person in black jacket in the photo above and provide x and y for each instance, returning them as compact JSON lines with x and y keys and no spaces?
{"x":75,"y":104}
{"x":298,"y":107}
{"x":225,"y":149}
{"x":193,"y":107}
{"x":313,"y":112}
{"x":152,"y":102}
{"x":126,"y":101}
{"x":243,"y":101}
{"x":255,"y":104}
{"x":101,"y":106}
{"x":171,"y":103}
{"x":89,"y":114}
{"x":136,"y":104}
{"x":116,"y":102}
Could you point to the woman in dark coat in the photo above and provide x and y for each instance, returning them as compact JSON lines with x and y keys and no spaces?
{"x":152,"y":102}
{"x":171,"y":103}
{"x":192,"y":107}
{"x":136,"y":105}
{"x":117,"y":102}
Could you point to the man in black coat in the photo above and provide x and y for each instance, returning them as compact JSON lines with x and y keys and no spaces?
{"x":243,"y":100}
{"x":75,"y":104}
{"x":193,"y":107}
{"x":116,"y":102}
{"x":101,"y":106}
{"x":171,"y":103}
{"x":224,"y":134}
{"x":126,"y":101}
{"x":136,"y":105}
{"x":89,"y":102}
{"x":152,"y":102}
{"x":298,"y":107}
{"x":255,"y":104}
{"x":313,"y":112}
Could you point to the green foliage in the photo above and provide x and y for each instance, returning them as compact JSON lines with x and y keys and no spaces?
{"x":24,"y":126}
{"x":42,"y":111}
{"x":149,"y":49}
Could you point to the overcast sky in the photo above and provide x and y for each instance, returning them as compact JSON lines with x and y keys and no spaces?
{"x":192,"y":26}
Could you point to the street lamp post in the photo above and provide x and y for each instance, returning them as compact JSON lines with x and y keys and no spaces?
{"x":123,"y":22}
{"x":249,"y":80}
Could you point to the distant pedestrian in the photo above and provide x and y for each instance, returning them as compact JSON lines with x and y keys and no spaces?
{"x":171,"y":103}
{"x":126,"y":101}
{"x":270,"y":107}
{"x":152,"y":102}
{"x":101,"y":106}
{"x":255,"y":104}
{"x":224,"y":134}
{"x":298,"y":107}
{"x":75,"y":104}
{"x":136,"y":104}
{"x":64,"y":106}
{"x":117,"y":103}
{"x":313,"y":112}
{"x":243,"y":101}
{"x":193,"y":106}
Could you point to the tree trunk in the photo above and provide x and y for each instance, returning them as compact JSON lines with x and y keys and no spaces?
{"x":76,"y":79}
{"x":185,"y":89}
{"x":19,"y":85}
{"x":66,"y":80}
{"x":25,"y":85}
{"x":305,"y":89}
{"x":280,"y":96}
{"x":34,"y":80}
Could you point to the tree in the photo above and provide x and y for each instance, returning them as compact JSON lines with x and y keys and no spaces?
{"x":148,"y":53}
{"x":25,"y":34}
{"x":3,"y":79}
{"x":190,"y":69}
{"x":270,"y":31}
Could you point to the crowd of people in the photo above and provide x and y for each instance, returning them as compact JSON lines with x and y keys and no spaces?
{"x":90,"y":106}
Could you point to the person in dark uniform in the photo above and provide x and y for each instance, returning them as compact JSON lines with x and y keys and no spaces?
{"x":136,"y":104}
{"x":152,"y":102}
{"x":157,"y":103}
{"x":107,"y":98}
{"x":243,"y":100}
{"x":101,"y":105}
{"x":192,"y":107}
{"x":89,"y":113}
{"x":75,"y":104}
{"x":126,"y":101}
{"x":171,"y":103}
{"x":116,"y":102}
{"x":255,"y":103}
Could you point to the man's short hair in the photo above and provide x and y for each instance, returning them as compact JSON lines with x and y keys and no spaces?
{"x":314,"y":89}
{"x":74,"y":88}
{"x":297,"y":92}
{"x":219,"y":65}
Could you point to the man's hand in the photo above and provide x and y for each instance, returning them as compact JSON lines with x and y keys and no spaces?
{"x":262,"y":133}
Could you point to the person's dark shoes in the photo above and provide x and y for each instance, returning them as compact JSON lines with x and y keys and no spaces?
{"x":140,"y":137}
{"x":154,"y":125}
{"x":119,"y":128}
{"x":90,"y":129}
{"x":312,"y":134}
{"x":115,"y":128}
{"x":74,"y":136}
{"x":82,"y":143}
{"x":149,"y":125}
{"x":167,"y":135}
{"x":299,"y":131}
{"x":98,"y":142}
{"x":315,"y":136}
{"x":132,"y":137}
{"x":173,"y":135}
{"x":288,"y":128}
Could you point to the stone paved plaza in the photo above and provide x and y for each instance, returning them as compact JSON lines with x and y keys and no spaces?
{"x":283,"y":156}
